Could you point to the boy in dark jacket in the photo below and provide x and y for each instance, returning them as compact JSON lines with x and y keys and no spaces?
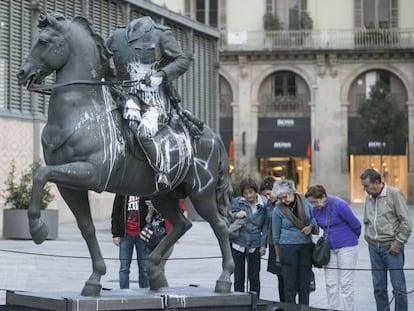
{"x":128,"y":219}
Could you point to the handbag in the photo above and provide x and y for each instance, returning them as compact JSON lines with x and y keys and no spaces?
{"x":152,"y":234}
{"x":235,"y":227}
{"x":321,"y":253}
{"x":322,"y":250}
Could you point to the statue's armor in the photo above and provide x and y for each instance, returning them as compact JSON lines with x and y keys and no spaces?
{"x":141,"y":49}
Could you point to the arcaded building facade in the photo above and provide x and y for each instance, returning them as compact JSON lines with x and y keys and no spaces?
{"x":293,"y":74}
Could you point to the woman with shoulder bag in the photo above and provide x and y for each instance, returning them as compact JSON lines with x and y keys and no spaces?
{"x":251,"y":242}
{"x":344,"y":230}
{"x":292,"y":228}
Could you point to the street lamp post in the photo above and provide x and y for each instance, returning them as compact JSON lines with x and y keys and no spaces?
{"x":316,"y":133}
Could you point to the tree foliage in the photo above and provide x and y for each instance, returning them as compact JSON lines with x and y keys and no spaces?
{"x":382,"y":118}
{"x":18,"y":193}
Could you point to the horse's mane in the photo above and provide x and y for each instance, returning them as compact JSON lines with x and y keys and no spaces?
{"x":104,"y":53}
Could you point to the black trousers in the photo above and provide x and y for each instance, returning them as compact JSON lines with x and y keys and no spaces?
{"x":253,"y":270}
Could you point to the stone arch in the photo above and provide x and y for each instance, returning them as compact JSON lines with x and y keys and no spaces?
{"x":345,"y":89}
{"x":286,"y":104}
{"x":226,"y":97}
{"x":257,"y":81}
{"x":231,"y":82}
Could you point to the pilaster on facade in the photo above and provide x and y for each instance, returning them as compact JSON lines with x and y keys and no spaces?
{"x":344,"y":134}
{"x":410,"y":105}
{"x":243,"y":67}
{"x":333,"y":60}
{"x":321,"y":63}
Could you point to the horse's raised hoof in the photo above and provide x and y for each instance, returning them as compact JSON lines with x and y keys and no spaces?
{"x":223,"y":287}
{"x":158,"y":282}
{"x":39,"y":232}
{"x":91,"y":289}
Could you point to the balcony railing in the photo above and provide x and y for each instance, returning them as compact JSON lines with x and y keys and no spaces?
{"x":389,"y":38}
{"x":288,"y":103}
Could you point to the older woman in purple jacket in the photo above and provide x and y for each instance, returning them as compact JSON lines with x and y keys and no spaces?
{"x":344,"y":231}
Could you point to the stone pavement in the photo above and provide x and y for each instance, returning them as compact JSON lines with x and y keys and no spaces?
{"x":64,"y":265}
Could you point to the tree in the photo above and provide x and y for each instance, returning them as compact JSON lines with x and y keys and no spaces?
{"x":18,"y":193}
{"x":383,"y":119}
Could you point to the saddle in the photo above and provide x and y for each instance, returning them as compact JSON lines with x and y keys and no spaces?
{"x":176,"y":146}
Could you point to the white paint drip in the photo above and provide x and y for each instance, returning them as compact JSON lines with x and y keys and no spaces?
{"x":182,"y":300}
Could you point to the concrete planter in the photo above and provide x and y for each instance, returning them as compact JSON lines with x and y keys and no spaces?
{"x":16,"y":223}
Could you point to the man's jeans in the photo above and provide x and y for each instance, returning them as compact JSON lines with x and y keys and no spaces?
{"x":126,"y":248}
{"x":381,"y":261}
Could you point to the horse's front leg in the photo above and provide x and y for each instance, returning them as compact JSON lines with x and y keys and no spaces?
{"x":79,"y":175}
{"x":78,"y":202}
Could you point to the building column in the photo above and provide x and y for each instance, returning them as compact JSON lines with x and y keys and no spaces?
{"x":245,"y":121}
{"x":410,"y":177}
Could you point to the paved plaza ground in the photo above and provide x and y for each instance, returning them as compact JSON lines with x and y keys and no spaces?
{"x":64,"y":265}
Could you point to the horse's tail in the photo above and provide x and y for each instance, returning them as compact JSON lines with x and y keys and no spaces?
{"x":224,"y":189}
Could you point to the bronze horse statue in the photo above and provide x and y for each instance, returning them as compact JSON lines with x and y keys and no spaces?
{"x":85,"y":148}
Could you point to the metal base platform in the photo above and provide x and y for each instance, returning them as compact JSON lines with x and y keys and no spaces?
{"x":186,"y":298}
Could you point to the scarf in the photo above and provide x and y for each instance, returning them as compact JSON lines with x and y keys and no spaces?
{"x":298,"y":221}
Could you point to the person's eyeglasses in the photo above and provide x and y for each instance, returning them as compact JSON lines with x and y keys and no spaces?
{"x":315,"y":201}
{"x":283,"y":197}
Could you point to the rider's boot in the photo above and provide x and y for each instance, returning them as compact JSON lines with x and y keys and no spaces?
{"x":156,"y":159}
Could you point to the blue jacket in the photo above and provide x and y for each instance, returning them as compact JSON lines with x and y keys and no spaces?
{"x":254,"y":233}
{"x":285,"y":232}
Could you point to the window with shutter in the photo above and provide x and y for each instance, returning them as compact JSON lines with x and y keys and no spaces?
{"x":289,"y":12}
{"x":17,"y":47}
{"x":205,"y":11}
{"x":357,"y":13}
{"x":4,"y":48}
{"x":376,"y":13}
{"x":106,"y":16}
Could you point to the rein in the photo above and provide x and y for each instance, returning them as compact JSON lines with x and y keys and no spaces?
{"x":47,"y":89}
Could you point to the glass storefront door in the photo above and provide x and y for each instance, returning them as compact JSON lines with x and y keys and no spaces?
{"x":394,"y":173}
{"x":296,"y":169}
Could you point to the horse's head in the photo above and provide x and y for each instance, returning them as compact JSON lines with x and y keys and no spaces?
{"x":49,"y":51}
{"x":65,"y":43}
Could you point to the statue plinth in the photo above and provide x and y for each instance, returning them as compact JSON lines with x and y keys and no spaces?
{"x":181,"y":298}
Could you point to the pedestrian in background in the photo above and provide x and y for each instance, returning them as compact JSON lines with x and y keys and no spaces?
{"x":127,"y":221}
{"x":387,"y":228}
{"x":344,"y":232}
{"x":292,"y":228}
{"x":252,"y":240}
{"x":266,"y":191}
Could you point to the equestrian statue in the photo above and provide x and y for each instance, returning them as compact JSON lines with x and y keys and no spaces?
{"x":126,"y":134}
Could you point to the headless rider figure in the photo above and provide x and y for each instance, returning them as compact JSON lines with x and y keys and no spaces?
{"x":147,"y":52}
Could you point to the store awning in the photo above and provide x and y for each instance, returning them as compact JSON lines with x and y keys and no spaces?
{"x":359,"y":143}
{"x":283,"y":137}
{"x":226,"y":131}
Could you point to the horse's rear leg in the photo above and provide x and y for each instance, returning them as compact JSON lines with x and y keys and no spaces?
{"x":206,"y":207}
{"x":78,"y":202}
{"x":169,"y":208}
